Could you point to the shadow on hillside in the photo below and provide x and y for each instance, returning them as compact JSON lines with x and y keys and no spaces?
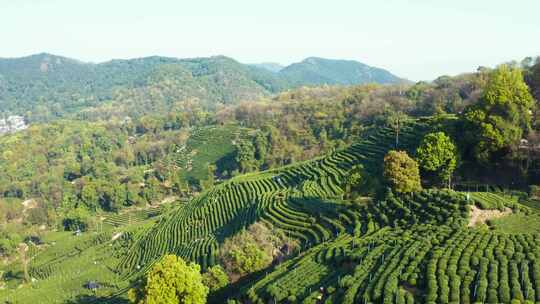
{"x":244,"y":218}
{"x":94,"y":299}
{"x":320,"y":206}
{"x":231,"y":291}
{"x":316,"y":207}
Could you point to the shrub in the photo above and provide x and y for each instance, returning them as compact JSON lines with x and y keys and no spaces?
{"x":246,"y":253}
{"x":215,"y":278}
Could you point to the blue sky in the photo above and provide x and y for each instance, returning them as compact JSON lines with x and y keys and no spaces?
{"x":416,"y":39}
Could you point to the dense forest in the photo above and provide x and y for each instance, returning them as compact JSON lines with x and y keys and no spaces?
{"x":44,"y":87}
{"x":311,"y":173}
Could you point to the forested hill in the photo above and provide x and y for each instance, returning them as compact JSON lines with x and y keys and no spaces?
{"x":45,"y":86}
{"x":318,"y":71}
{"x":50,"y":86}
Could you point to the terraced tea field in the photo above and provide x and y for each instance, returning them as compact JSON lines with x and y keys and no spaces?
{"x":301,"y":199}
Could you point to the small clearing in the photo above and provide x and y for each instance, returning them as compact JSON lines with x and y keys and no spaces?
{"x":410,"y":288}
{"x":116,"y":236}
{"x":480,"y":216}
{"x":28,"y":204}
{"x":167,"y":200}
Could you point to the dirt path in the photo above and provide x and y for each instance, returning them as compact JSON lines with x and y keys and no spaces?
{"x":480,"y":216}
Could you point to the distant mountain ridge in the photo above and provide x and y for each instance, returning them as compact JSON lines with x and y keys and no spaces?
{"x":315,"y":70}
{"x":44,"y":86}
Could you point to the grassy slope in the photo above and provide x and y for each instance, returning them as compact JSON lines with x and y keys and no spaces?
{"x":525,"y":217}
{"x":62,"y":268}
{"x":517,"y":223}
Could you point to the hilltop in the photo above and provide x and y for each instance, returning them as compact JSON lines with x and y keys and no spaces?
{"x":318,"y":71}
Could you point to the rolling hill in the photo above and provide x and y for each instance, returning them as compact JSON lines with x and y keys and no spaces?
{"x":317,"y":71}
{"x":44,"y":86}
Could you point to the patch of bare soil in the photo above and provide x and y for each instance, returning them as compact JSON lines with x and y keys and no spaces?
{"x":480,"y":216}
{"x":116,"y":236}
{"x":28,"y":204}
{"x":167,"y":200}
{"x":410,"y":288}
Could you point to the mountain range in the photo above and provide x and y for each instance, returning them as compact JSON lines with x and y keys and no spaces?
{"x":44,"y":86}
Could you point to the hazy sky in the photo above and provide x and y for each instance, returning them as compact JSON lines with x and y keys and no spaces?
{"x":416,"y":39}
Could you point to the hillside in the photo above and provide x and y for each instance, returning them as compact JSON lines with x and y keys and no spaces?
{"x":343,"y":245}
{"x":317,"y":71}
{"x":289,"y":198}
{"x":45,"y":86}
{"x":309,"y":187}
{"x":50,"y":86}
{"x":389,"y":248}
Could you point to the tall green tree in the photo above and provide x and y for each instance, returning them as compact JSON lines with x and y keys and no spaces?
{"x":352,"y":181}
{"x":437,"y":154}
{"x":496,"y":123}
{"x":401,"y":172}
{"x":533,"y":81}
{"x":171,"y":281}
{"x":245,"y":156}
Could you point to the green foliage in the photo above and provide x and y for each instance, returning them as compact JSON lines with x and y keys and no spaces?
{"x":516,"y":223}
{"x":402,"y":172}
{"x":171,"y":281}
{"x":108,"y":166}
{"x":245,"y":156}
{"x":533,"y":80}
{"x":497,"y":122}
{"x":244,"y":253}
{"x":328,"y":246}
{"x":437,"y":154}
{"x":301,"y":201}
{"x":38,"y":215}
{"x":77,"y":219}
{"x":215,"y":278}
{"x":9,"y":241}
{"x":317,"y":71}
{"x":396,"y":248}
{"x":45,"y":87}
{"x":353,"y":181}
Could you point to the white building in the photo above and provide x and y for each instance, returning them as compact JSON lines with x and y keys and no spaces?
{"x":12,"y":123}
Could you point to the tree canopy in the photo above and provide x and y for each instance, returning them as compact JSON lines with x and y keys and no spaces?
{"x":496,"y":123}
{"x":242,"y":254}
{"x":171,"y":281}
{"x":401,"y":172}
{"x":437,"y":154}
{"x":215,"y":278}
